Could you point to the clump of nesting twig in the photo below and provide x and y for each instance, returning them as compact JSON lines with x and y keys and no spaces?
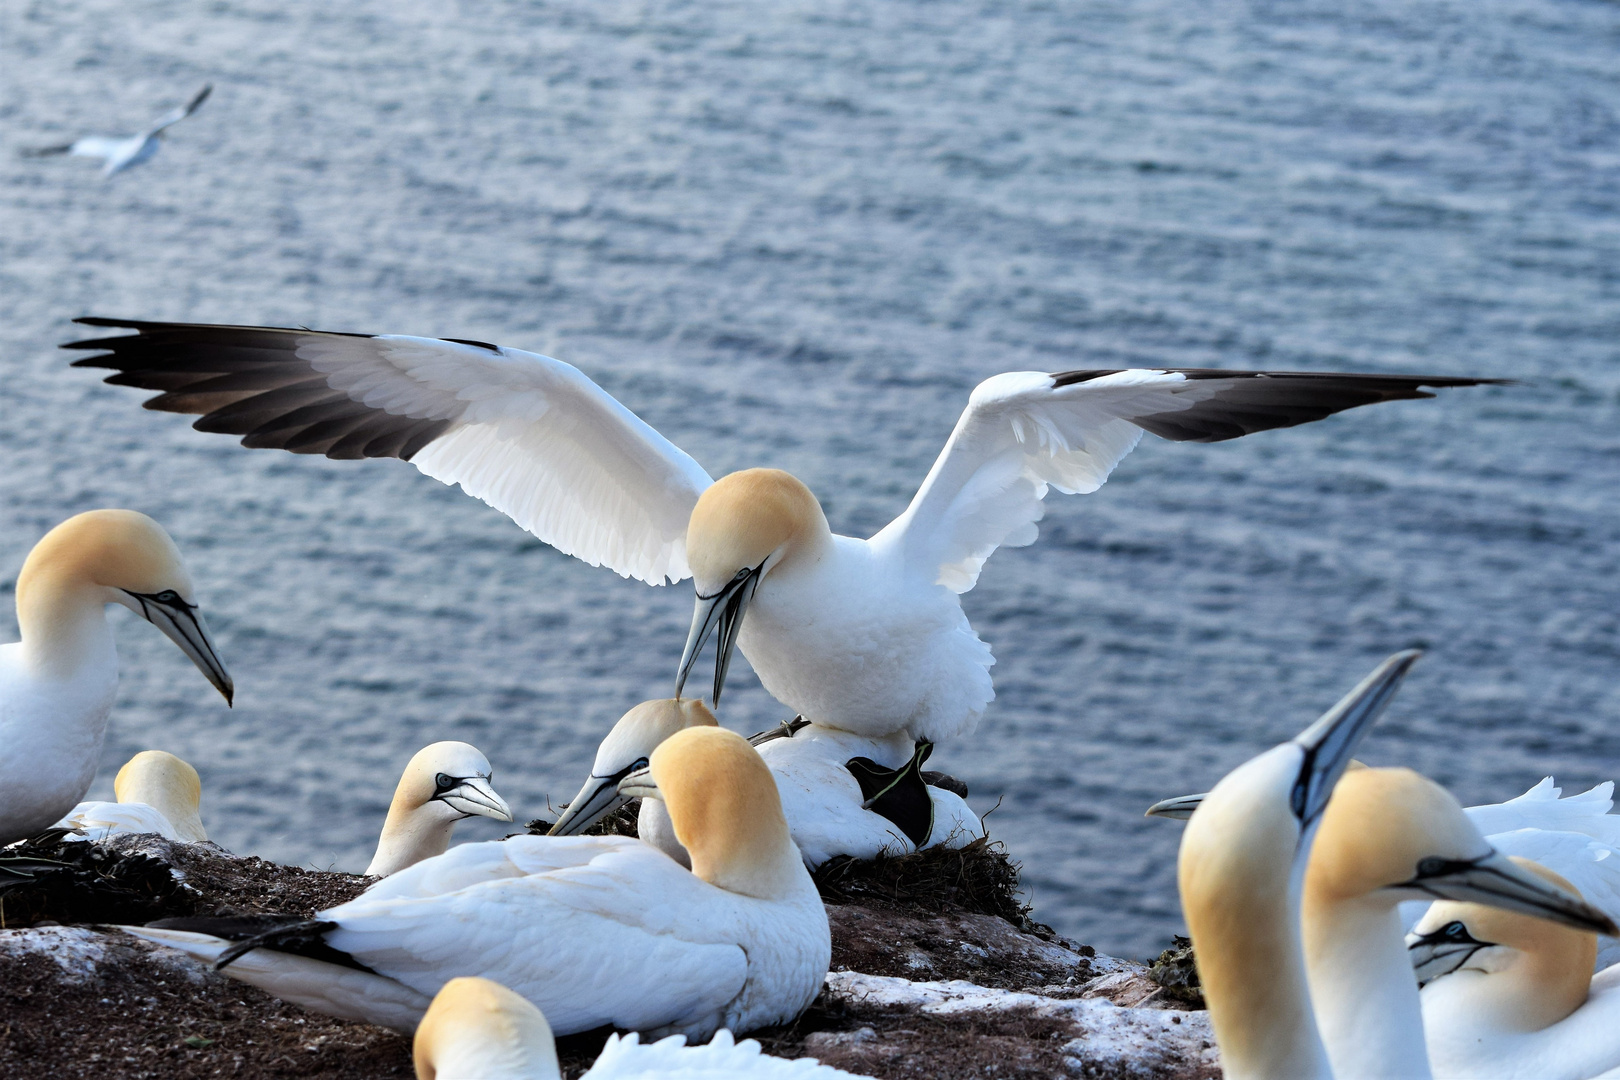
{"x":978,"y":878}
{"x":1176,"y":969}
{"x":622,"y":822}
{"x":72,"y":881}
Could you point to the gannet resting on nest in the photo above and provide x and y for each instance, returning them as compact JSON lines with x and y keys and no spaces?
{"x":1576,"y":837}
{"x":442,"y":784}
{"x":123,"y":151}
{"x":1240,"y":872}
{"x":477,"y":1029}
{"x":1390,"y":835}
{"x":57,"y":684}
{"x":823,"y":800}
{"x":864,"y":635}
{"x":1506,"y":995}
{"x":592,"y":930}
{"x":156,"y":792}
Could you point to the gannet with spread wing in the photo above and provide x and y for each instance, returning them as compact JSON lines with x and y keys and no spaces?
{"x":121,"y":152}
{"x":864,"y":635}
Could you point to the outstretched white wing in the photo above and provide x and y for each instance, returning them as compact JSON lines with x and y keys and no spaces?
{"x":529,"y":435}
{"x":174,"y":116}
{"x":1026,"y":431}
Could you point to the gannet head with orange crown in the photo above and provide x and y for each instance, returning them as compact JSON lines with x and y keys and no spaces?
{"x":477,"y":1029}
{"x":108,"y":557}
{"x":726,"y":811}
{"x":1521,"y":972}
{"x":745,"y":526}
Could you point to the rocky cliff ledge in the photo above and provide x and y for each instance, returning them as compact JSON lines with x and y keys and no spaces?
{"x":922,"y":985}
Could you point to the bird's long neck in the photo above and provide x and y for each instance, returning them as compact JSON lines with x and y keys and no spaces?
{"x":1253,"y":972}
{"x":410,"y":834}
{"x":1362,"y":985}
{"x":63,"y":620}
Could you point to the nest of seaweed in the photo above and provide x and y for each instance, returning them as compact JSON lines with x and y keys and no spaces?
{"x":47,"y":877}
{"x":979,"y":878}
{"x":1176,"y":969}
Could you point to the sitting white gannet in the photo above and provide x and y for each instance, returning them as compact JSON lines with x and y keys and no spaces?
{"x":815,"y":767}
{"x":477,"y":1029}
{"x":1390,"y":835}
{"x":57,"y":684}
{"x":120,"y":152}
{"x":156,"y":792}
{"x":1506,"y":995}
{"x":593,"y":930}
{"x":1577,"y":837}
{"x":442,"y":784}
{"x":1240,"y":871}
{"x":864,"y":635}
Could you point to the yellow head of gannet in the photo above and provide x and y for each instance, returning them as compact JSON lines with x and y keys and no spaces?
{"x":442,"y":784}
{"x":1401,"y":836}
{"x":477,"y":1029}
{"x":627,"y":748}
{"x":166,"y":784}
{"x":1529,"y":973}
{"x":108,"y":557}
{"x":724,"y":807}
{"x":1239,"y":871}
{"x":1390,"y":835}
{"x":744,"y":526}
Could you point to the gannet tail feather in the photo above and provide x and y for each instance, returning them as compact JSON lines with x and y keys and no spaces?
{"x":531,"y":436}
{"x":347,"y":992}
{"x":281,"y":933}
{"x":1026,"y":431}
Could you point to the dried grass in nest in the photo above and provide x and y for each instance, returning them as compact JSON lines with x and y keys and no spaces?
{"x":622,"y":822}
{"x":979,"y":878}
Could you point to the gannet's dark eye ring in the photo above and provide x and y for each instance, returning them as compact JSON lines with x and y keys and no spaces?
{"x":167,"y":596}
{"x":444,"y":782}
{"x":1455,"y":931}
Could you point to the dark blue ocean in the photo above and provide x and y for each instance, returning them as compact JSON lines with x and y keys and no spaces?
{"x":797,"y":234}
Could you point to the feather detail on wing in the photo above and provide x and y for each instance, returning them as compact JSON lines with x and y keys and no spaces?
{"x":529,"y":435}
{"x":625,"y":1057}
{"x":1026,"y":431}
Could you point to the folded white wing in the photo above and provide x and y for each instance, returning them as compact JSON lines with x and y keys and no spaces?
{"x":577,"y":941}
{"x":1542,"y":808}
{"x":1026,"y":431}
{"x":529,"y":435}
{"x":99,"y":820}
{"x":722,"y":1058}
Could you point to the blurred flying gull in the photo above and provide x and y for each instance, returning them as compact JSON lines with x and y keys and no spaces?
{"x":122,"y":151}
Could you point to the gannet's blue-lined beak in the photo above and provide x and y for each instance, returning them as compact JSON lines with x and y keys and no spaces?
{"x":182,"y":623}
{"x":1330,"y":743}
{"x":724,"y":609}
{"x":598,"y":798}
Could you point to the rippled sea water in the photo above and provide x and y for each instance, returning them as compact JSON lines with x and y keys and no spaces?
{"x":797,"y":235}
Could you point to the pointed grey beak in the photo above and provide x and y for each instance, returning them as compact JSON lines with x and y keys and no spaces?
{"x":183,"y":624}
{"x":640,"y":785}
{"x":475,"y":796}
{"x":596,"y":800}
{"x":1180,"y":808}
{"x":1332,"y":740}
{"x":1442,"y":951}
{"x":724,"y":609}
{"x":1496,"y":881}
